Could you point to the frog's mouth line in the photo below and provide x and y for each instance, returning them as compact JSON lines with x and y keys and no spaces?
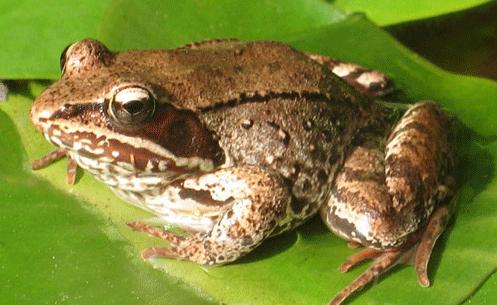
{"x":139,"y":154}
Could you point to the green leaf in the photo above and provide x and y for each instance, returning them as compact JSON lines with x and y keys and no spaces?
{"x":299,"y":267}
{"x":162,"y":24}
{"x":34,"y":33}
{"x":387,"y":12}
{"x":486,"y":291}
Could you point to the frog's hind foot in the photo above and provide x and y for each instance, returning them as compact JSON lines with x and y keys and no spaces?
{"x":54,"y":156}
{"x":353,"y":260}
{"x":383,"y":262}
{"x":417,"y":250}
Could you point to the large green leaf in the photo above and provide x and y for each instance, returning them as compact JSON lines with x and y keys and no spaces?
{"x":387,"y":12}
{"x":33,"y":33}
{"x":172,"y":23}
{"x":297,"y":268}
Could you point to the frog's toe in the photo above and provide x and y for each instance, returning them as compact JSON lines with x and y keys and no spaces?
{"x":49,"y":158}
{"x":52,"y":157}
{"x":383,"y":262}
{"x":156,"y":232}
{"x":154,"y":252}
{"x":353,"y":244}
{"x":436,"y":226}
{"x":72,"y":170}
{"x":353,"y":260}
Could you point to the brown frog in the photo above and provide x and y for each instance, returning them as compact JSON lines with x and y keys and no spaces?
{"x":236,"y":142}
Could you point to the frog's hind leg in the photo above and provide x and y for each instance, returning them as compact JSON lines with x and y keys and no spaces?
{"x":394,"y":202}
{"x":371,"y":83}
{"x":258,"y":203}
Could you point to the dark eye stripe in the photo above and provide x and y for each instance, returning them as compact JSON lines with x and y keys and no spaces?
{"x":72,"y":110}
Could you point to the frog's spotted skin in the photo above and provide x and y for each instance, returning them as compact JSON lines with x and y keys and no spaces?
{"x":239,"y":141}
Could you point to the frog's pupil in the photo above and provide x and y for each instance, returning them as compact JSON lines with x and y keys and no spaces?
{"x":133,"y":107}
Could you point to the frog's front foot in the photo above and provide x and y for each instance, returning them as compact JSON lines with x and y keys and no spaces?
{"x":174,"y":251}
{"x":258,"y":202}
{"x":54,"y":156}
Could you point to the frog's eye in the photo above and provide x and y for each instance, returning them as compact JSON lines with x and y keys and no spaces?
{"x":63,"y":58}
{"x":132,"y":105}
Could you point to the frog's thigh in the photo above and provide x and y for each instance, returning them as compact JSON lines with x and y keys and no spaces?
{"x":359,"y":208}
{"x":370,"y":82}
{"x":259,"y":201}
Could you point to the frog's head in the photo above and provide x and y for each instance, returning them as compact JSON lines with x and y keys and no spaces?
{"x":110,"y":108}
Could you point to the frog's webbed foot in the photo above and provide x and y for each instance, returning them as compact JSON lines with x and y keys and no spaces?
{"x":383,"y":262}
{"x":417,"y":250}
{"x":54,"y":156}
{"x":258,"y":204}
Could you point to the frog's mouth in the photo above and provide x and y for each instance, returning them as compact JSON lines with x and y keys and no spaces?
{"x":128,"y":153}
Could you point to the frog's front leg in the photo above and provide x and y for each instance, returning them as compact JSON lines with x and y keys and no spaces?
{"x":258,"y":199}
{"x":54,"y":156}
{"x":392,"y":201}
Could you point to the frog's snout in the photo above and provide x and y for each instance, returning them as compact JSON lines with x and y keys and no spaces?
{"x":39,"y":112}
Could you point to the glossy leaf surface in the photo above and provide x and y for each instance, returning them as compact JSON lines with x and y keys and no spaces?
{"x":387,"y":12}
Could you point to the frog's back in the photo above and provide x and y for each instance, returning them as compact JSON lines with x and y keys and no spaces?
{"x":267,"y":105}
{"x":209,"y":74}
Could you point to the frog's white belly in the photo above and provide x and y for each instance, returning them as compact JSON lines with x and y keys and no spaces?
{"x":185,"y":213}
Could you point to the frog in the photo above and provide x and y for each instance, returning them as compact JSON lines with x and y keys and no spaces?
{"x":235,"y":142}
